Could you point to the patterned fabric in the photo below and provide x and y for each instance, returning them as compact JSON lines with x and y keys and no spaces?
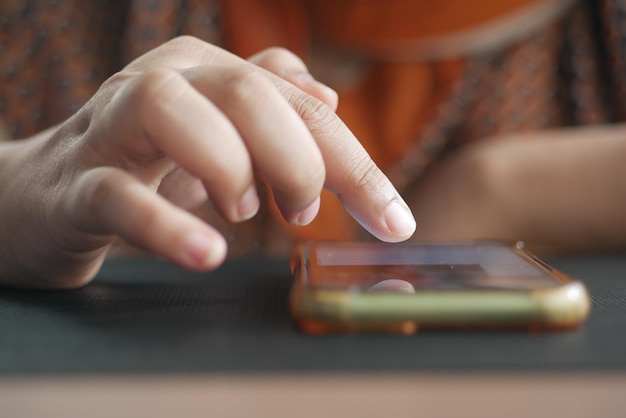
{"x":570,"y":73}
{"x":49,"y":67}
{"x":55,"y":53}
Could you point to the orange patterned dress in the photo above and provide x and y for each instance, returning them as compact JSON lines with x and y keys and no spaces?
{"x":417,"y":79}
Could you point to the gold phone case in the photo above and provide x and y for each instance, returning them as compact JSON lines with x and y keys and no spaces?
{"x":322,"y":309}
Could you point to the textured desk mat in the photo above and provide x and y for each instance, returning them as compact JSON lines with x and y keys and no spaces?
{"x":147,"y":316}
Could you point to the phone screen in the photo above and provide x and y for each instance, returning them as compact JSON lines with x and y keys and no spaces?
{"x":415,"y":267}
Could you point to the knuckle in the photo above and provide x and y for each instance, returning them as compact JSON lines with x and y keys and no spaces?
{"x":319,"y":118}
{"x":243,"y":85}
{"x":279,"y":52}
{"x":185,"y":42}
{"x":157,"y":89}
{"x":157,"y":83}
{"x":280,"y":59}
{"x":366,"y":175}
{"x":180,"y":52}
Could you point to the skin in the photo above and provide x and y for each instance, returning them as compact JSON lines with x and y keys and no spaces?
{"x":189,"y":121}
{"x":185,"y":122}
{"x":560,"y":191}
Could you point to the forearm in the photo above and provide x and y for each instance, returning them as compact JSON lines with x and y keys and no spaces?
{"x":566,"y":190}
{"x":560,"y":191}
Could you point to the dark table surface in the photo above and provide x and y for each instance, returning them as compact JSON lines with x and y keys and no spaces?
{"x":146,"y":316}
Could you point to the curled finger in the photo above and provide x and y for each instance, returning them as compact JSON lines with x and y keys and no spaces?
{"x":112,"y":202}
{"x":161,"y":116}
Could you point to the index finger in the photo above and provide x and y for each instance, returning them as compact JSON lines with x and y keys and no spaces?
{"x":364,"y":190}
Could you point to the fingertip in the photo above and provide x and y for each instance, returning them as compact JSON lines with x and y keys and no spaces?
{"x":399,"y":221}
{"x":204,"y":251}
{"x":248,"y":204}
{"x":307,"y":215}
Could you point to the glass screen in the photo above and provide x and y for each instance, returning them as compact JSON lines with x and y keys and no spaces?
{"x":408,"y":267}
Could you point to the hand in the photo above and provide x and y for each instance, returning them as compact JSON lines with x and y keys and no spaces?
{"x":188,"y":120}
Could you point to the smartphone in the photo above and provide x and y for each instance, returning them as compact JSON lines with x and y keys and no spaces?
{"x":403,"y":288}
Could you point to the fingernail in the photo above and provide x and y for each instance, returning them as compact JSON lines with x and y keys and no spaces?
{"x":249,"y":204}
{"x":203,"y":250}
{"x":307,"y":215}
{"x":399,"y":220}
